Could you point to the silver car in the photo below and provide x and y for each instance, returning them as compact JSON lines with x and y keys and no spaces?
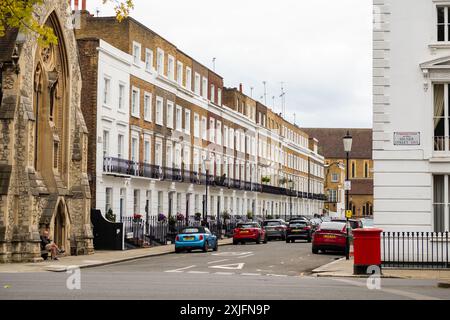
{"x":275,"y":228}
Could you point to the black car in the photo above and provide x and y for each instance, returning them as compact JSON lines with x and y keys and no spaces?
{"x":299,"y":229}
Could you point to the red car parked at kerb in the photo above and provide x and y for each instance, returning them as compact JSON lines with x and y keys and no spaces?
{"x":331,"y":236}
{"x":249,"y":232}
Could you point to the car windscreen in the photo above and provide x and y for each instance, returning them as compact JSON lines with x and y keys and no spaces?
{"x":247,"y":225}
{"x":272,"y":223}
{"x":335,"y":226}
{"x":297,"y":224}
{"x":193,"y":230}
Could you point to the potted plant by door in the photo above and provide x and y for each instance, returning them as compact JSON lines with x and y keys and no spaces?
{"x":198,"y":216}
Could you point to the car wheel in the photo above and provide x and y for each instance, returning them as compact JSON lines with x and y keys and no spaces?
{"x":309,"y":239}
{"x":265,"y":240}
{"x":288,"y":241}
{"x":189,"y":250}
{"x":315,"y":250}
{"x":242,"y":242}
{"x":205,"y":247}
{"x":216,"y":247}
{"x":177,"y":250}
{"x":258,"y":240}
{"x":235,"y":242}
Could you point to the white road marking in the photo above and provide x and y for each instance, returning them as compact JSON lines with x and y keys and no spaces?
{"x":262,"y":270}
{"x":218,"y":261}
{"x":232,"y":266}
{"x":197,"y":272}
{"x":251,"y":274}
{"x":180,"y":270}
{"x":276,"y":275}
{"x":224,"y":273}
{"x":249,"y":255}
{"x":231,"y":253}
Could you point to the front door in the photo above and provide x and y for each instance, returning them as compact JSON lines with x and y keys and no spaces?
{"x":59,"y":227}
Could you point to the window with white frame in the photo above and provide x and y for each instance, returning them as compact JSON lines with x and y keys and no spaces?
{"x":225,"y":136}
{"x":196,"y":125}
{"x":108,"y":199}
{"x":121,"y":96}
{"x":135,"y":149}
{"x":147,"y":150}
{"x":160,"y":61}
{"x":179,"y":119}
{"x":158,"y":152}
{"x":148,"y":60}
{"x":441,"y":203}
{"x":231,"y":139}
{"x":213,"y":93}
{"x":135,"y":102}
{"x":188,"y":78}
{"x":443,"y":23}
{"x":136,"y":201}
{"x":106,"y":90}
{"x":219,"y":132}
{"x":120,"y":146}
{"x":204,"y":87}
{"x":219,"y":96}
{"x":187,"y":121}
{"x":169,"y":154}
{"x":238,"y":140}
{"x":180,"y":73}
{"x":212,"y":129}
{"x":204,"y":128}
{"x":197,"y":84}
{"x":441,"y":117}
{"x":105,"y":143}
{"x":159,"y":110}
{"x":136,"y":53}
{"x":171,"y":68}
{"x":169,"y":117}
{"x":147,"y":106}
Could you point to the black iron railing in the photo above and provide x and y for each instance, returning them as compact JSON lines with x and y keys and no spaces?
{"x":415,"y":250}
{"x":128,"y":167}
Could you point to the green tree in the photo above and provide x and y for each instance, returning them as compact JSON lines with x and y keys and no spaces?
{"x":18,"y":14}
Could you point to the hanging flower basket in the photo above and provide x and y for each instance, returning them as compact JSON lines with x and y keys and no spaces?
{"x":137,"y":217}
{"x":162,"y":217}
{"x":198,"y":216}
{"x":180,"y":217}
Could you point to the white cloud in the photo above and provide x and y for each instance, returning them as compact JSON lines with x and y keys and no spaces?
{"x":320,"y":49}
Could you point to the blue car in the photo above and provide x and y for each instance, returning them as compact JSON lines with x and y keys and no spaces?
{"x":195,"y":238}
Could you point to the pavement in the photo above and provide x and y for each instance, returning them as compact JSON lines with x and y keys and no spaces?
{"x":99,"y":258}
{"x":344,"y":268}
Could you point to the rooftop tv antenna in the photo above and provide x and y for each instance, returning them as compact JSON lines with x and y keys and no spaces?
{"x":214,"y":64}
{"x":265,"y":93}
{"x":251,"y":92}
{"x":283,"y":99}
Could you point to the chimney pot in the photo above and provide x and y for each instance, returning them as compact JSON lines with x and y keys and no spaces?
{"x":240,"y":87}
{"x":76,"y":5}
{"x":83,"y":5}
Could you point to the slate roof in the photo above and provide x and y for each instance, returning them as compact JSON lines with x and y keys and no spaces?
{"x":331,"y":146}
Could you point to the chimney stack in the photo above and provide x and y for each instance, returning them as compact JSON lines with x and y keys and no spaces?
{"x":240,"y":87}
{"x":76,"y":5}
{"x":83,"y":5}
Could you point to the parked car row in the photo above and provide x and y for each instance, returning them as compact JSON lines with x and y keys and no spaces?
{"x":328,"y":235}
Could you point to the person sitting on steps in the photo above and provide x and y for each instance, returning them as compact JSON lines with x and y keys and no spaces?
{"x":49,"y":245}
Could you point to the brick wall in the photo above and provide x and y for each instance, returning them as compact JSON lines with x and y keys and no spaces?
{"x":88,"y":56}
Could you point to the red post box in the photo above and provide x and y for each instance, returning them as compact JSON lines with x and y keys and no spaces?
{"x":367,"y":249}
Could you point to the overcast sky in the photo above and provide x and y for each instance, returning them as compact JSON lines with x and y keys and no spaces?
{"x":321,"y":50}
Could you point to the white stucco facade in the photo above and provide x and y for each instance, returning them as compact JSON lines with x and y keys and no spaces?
{"x":410,"y":180}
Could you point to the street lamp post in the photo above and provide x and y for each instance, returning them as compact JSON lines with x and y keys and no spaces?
{"x":205,"y":211}
{"x":291,"y":186}
{"x":347,"y":140}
